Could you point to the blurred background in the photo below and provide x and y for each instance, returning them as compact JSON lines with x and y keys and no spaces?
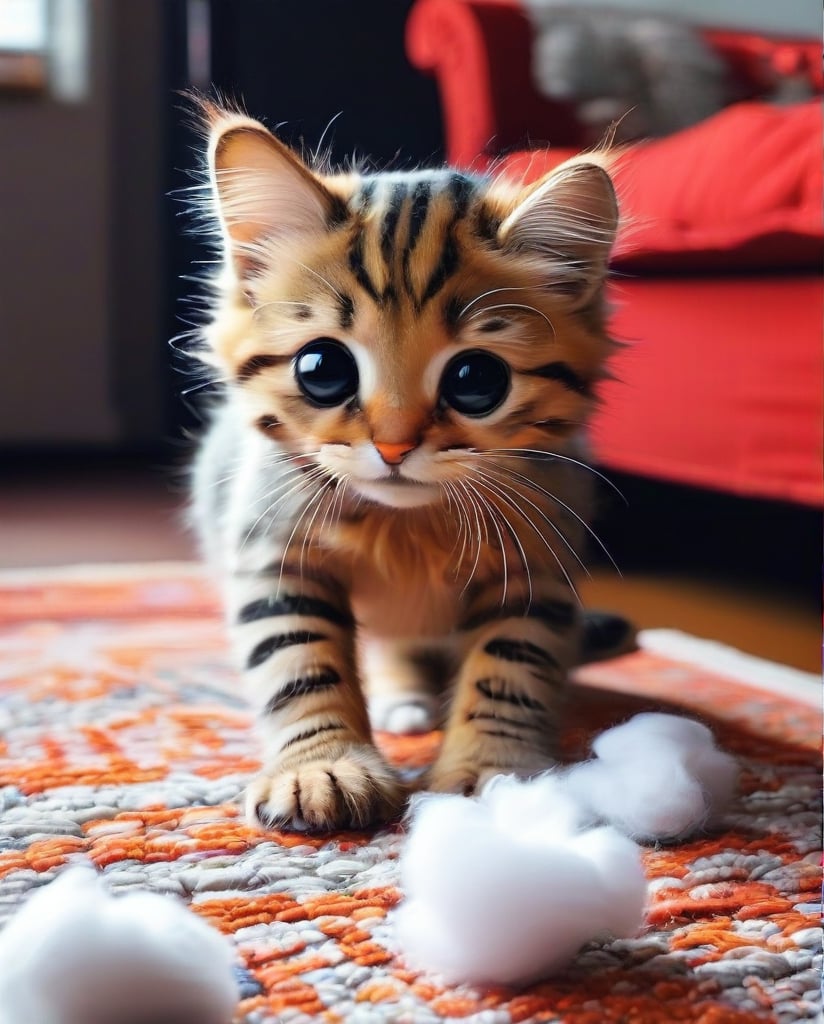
{"x":714,"y":437}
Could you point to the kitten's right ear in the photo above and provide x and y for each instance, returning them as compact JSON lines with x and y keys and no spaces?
{"x":567,"y":223}
{"x":262,"y":190}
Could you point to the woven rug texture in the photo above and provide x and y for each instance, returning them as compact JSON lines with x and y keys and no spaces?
{"x":123,"y":743}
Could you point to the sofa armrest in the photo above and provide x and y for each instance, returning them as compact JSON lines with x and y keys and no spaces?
{"x":480,"y":53}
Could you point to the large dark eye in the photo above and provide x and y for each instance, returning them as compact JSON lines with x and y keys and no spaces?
{"x":326,"y":372}
{"x":475,"y":383}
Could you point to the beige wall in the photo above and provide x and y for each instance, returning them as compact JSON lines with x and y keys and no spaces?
{"x":772,"y":17}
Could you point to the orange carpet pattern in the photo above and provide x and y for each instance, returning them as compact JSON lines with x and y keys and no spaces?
{"x":124,"y":744}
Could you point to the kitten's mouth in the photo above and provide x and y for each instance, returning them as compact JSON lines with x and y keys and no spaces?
{"x":403,"y":481}
{"x":398,"y":491}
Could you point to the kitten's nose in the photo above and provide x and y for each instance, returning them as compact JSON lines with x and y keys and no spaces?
{"x":393,"y":454}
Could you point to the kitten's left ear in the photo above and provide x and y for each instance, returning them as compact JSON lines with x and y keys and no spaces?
{"x":567,"y":222}
{"x":262,"y":190}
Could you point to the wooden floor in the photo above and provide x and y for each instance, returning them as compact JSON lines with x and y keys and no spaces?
{"x":758,"y":593}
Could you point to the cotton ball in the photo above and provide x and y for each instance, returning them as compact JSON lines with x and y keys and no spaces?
{"x":647,"y":802}
{"x":76,"y":955}
{"x":533,"y":807}
{"x":651,"y":726}
{"x":656,"y":777}
{"x":492,"y":900}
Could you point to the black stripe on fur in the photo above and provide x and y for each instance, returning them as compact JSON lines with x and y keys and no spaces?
{"x":497,"y":689}
{"x":310,"y":734}
{"x":446,"y":267}
{"x":564,"y":374}
{"x":515,"y":723}
{"x":486,"y":223}
{"x":324,"y":679}
{"x":255,"y":364}
{"x":266,"y":648}
{"x":356,"y":265}
{"x":521,"y":651}
{"x":460,"y":189}
{"x":347,"y":311}
{"x":363,"y":200}
{"x":556,"y":614}
{"x":419,"y":208}
{"x":497,"y":323}
{"x":300,"y":604}
{"x":390,"y":223}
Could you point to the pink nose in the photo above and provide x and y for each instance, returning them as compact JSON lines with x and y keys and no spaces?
{"x":393,"y":454}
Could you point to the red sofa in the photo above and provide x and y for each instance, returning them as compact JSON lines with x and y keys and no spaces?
{"x":718,"y":285}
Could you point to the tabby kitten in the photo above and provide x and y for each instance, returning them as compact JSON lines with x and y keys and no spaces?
{"x":391,"y":489}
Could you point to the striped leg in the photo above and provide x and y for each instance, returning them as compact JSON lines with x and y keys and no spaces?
{"x":405,"y":682}
{"x":321,"y":769}
{"x":508,"y":693}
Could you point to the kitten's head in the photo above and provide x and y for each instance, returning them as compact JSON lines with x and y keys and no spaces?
{"x":389,"y":325}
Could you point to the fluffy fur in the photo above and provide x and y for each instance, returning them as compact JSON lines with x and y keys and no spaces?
{"x":76,"y":955}
{"x":382,"y":549}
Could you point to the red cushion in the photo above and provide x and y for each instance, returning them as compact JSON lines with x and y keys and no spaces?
{"x":719,"y":385}
{"x":740,"y":191}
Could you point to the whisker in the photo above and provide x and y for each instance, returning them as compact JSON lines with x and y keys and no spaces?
{"x":323,"y":134}
{"x":342,"y":490}
{"x":275,"y":302}
{"x":511,"y":453}
{"x":542,"y":514}
{"x":515,"y":305}
{"x":287,"y":479}
{"x":321,"y":278}
{"x":546,"y":543}
{"x":553,"y":497}
{"x":478,"y":518}
{"x":184,"y":392}
{"x":304,"y":481}
{"x":336,"y":508}
{"x":308,"y":531}
{"x":492,"y":291}
{"x":493,"y":520}
{"x":455,"y":503}
{"x":235,"y":465}
{"x":316,"y":497}
{"x":514,"y":534}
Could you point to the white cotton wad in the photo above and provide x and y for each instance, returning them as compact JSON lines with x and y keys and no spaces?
{"x":656,"y":777}
{"x":507,"y":887}
{"x":76,"y":955}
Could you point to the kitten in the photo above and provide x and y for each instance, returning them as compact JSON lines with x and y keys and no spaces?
{"x":391,"y":488}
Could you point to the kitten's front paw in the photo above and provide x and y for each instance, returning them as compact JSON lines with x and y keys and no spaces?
{"x":404,"y":715}
{"x":353,"y":790}
{"x":459,"y":777}
{"x":467,"y":771}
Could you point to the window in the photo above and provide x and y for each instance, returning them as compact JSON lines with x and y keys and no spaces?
{"x":23,"y":44}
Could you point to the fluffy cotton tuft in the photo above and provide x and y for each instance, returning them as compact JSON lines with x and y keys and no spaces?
{"x":656,"y":777}
{"x":76,"y":955}
{"x":506,"y":888}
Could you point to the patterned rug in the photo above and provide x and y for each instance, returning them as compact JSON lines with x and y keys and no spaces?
{"x":122,"y":744}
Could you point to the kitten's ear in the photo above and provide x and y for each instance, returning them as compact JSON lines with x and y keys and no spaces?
{"x":262,"y":190}
{"x":568,"y":223}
